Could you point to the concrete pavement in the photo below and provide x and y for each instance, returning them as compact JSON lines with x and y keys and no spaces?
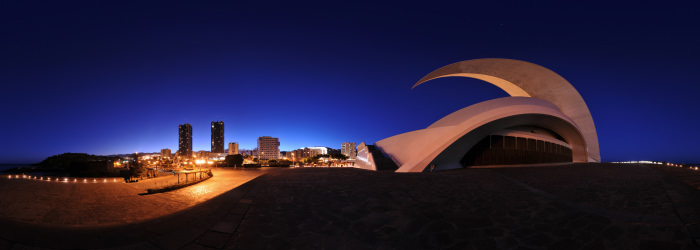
{"x":77,"y":204}
{"x":579,"y":206}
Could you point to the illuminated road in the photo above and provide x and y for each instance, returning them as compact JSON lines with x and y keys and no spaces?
{"x":98,"y":204}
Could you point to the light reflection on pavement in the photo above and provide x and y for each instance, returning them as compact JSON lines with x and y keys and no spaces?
{"x":97,"y":204}
{"x":220,"y":183}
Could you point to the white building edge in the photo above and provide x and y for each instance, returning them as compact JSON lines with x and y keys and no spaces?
{"x":539,"y":98}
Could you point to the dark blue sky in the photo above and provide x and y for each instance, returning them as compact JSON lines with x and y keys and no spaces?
{"x":117,"y":77}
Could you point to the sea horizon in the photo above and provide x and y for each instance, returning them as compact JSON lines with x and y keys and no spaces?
{"x":6,"y":166}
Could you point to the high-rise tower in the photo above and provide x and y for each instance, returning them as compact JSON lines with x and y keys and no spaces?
{"x":217,"y":137}
{"x":185,"y":145}
{"x":268,"y":148}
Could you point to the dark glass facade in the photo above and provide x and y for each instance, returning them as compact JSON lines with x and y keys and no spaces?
{"x":185,"y":143}
{"x":217,"y":137}
{"x":510,"y":150}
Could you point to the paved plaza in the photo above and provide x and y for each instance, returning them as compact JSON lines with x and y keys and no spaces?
{"x":99,"y":203}
{"x":578,"y":206}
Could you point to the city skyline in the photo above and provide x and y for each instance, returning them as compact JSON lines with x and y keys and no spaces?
{"x":189,"y":131}
{"x":110,"y":78}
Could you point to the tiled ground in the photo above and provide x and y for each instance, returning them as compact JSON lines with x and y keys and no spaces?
{"x":580,"y":206}
{"x":100,"y":204}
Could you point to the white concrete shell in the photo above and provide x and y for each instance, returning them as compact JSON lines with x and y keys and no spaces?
{"x":446,"y":141}
{"x":364,"y":158}
{"x":519,"y":78}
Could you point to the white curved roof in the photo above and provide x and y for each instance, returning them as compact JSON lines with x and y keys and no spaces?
{"x":447,"y":140}
{"x":520,"y":78}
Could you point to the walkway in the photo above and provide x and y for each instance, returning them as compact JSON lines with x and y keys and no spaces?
{"x":103,"y":204}
{"x":580,"y":206}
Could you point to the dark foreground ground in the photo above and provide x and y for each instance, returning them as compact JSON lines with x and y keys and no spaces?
{"x":580,"y":206}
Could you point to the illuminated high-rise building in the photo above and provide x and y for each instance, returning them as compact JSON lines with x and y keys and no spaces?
{"x":348,"y":149}
{"x":232,"y":148}
{"x":217,"y":137}
{"x":185,"y":144}
{"x":268,"y":148}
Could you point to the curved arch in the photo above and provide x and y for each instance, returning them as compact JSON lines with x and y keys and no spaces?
{"x":458,"y":132}
{"x":520,"y":78}
{"x":449,"y":157}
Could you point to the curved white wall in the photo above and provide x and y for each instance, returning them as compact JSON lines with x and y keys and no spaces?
{"x":447,"y":140}
{"x":520,"y":78}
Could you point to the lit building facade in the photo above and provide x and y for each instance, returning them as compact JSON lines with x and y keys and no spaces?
{"x":296,"y":155}
{"x":185,"y":143}
{"x":300,"y":154}
{"x":217,"y":137}
{"x":165,"y":153}
{"x":268,"y":148}
{"x":348,"y":149}
{"x":320,"y":150}
{"x":203,"y":154}
{"x":232,"y":148}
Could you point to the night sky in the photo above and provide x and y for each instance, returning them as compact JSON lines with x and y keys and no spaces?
{"x":111,"y":77}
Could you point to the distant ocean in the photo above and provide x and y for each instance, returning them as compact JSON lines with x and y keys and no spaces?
{"x":4,"y":167}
